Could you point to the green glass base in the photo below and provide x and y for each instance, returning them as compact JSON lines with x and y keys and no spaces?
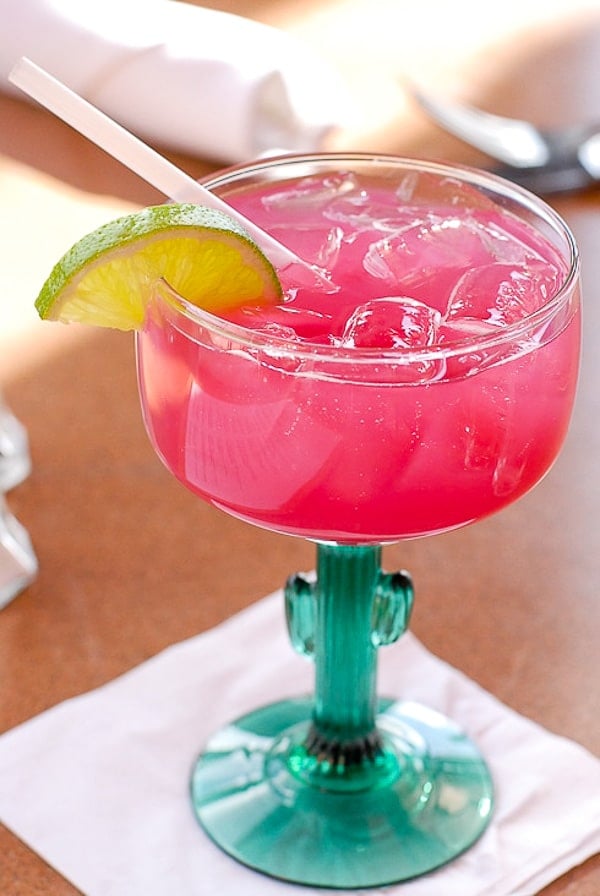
{"x":420,"y":799}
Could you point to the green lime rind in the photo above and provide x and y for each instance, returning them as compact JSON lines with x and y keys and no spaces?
{"x":127,"y":237}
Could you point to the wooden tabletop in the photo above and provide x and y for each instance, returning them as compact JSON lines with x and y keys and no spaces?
{"x":130,"y":562}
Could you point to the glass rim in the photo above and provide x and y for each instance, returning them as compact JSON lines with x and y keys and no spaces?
{"x":246,"y":337}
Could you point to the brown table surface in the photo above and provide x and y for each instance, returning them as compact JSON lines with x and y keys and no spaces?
{"x":130,"y":562}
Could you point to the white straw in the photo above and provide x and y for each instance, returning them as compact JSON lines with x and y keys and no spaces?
{"x":133,"y":153}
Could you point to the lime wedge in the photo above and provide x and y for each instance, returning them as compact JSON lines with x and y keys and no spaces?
{"x":106,"y":279}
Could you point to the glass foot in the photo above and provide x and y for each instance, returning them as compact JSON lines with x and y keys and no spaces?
{"x":421,"y":797}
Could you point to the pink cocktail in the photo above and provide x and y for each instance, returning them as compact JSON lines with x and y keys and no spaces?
{"x":412,"y":415}
{"x":431,"y":386}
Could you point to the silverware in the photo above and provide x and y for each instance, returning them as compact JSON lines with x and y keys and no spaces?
{"x":557,"y":161}
{"x":18,"y":561}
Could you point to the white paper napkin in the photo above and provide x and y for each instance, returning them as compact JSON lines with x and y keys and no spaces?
{"x":200,"y":80}
{"x":98,"y":785}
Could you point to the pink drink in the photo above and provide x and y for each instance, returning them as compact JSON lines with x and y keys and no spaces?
{"x":432,"y":389}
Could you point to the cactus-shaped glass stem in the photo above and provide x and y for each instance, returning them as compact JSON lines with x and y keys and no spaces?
{"x":340,"y":620}
{"x":343,"y":789}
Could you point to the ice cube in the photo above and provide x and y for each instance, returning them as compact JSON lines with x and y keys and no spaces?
{"x":283,"y":321}
{"x":391,"y":322}
{"x":363,"y":211}
{"x":503,"y":294}
{"x":431,"y":254}
{"x":428,"y":256}
{"x":511,"y":240}
{"x":344,"y":201}
{"x":311,"y":192}
{"x":461,"y":328}
{"x":317,"y":245}
{"x":428,"y":243}
{"x":424,"y":188}
{"x":461,"y":338}
{"x":271,"y":328}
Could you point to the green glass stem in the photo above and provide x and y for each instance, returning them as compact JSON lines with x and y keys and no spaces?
{"x":342,"y":789}
{"x":339,"y":621}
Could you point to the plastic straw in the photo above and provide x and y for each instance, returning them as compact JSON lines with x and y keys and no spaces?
{"x":120,"y":143}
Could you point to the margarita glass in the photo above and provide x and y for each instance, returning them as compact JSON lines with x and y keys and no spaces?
{"x":431,"y":386}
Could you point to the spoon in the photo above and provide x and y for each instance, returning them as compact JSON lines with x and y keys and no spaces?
{"x":545,"y":161}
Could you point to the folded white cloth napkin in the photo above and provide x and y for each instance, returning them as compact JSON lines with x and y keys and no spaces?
{"x":202,"y":81}
{"x":99,"y":785}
